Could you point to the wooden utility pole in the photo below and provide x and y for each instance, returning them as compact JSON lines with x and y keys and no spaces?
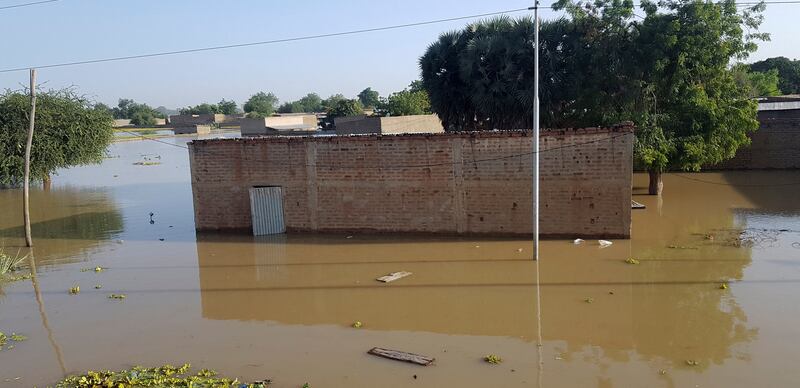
{"x":26,"y":201}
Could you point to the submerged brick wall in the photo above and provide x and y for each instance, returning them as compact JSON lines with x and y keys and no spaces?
{"x":776,"y":144}
{"x":441,"y":183}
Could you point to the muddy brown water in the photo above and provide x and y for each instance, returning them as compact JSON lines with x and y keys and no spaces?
{"x":281,"y":307}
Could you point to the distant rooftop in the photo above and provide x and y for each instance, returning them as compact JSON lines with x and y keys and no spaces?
{"x":787,"y":102}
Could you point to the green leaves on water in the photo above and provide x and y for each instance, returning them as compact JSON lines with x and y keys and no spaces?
{"x":164,"y":376}
{"x":493,"y":359}
{"x":5,"y":339}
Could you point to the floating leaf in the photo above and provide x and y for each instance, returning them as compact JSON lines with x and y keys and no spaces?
{"x":589,"y":300}
{"x":631,"y":260}
{"x":357,"y":324}
{"x":493,"y":359}
{"x":692,"y":362}
{"x":723,"y":286}
{"x":117,"y":296}
{"x":75,"y":290}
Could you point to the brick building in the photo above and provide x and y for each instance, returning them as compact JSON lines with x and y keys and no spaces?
{"x":455,"y":183}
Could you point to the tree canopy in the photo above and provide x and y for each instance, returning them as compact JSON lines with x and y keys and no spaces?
{"x":409,"y":101}
{"x":788,"y":72}
{"x":757,"y":84}
{"x":346,"y":107}
{"x":69,"y":131}
{"x":223,"y":107}
{"x":369,"y":98}
{"x":138,"y":113}
{"x":668,"y":71}
{"x":310,"y":103}
{"x":261,"y":104}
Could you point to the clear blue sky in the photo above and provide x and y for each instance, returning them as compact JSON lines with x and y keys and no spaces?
{"x":69,"y":30}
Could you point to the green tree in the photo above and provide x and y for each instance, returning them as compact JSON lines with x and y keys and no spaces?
{"x":127,"y":109}
{"x":332,"y":101}
{"x":788,"y":72}
{"x":684,"y":49}
{"x":201,"y":109}
{"x":669,"y":73}
{"x":261,"y":104}
{"x":369,"y":98}
{"x":69,"y":131}
{"x":227,"y":107}
{"x":143,"y":119}
{"x":345,"y":108}
{"x":408,"y":102}
{"x":756,"y":84}
{"x":311,"y":103}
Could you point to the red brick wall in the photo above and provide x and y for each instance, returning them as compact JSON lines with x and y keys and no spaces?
{"x":476,"y":183}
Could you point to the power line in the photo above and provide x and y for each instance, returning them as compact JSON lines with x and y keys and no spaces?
{"x":265,"y":42}
{"x":27,"y":4}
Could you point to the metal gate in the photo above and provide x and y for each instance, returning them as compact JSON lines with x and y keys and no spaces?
{"x":266,"y":209}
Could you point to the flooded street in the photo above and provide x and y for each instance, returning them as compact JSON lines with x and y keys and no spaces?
{"x":281,"y":307}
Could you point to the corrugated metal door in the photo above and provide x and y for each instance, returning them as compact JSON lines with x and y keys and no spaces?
{"x":266,"y":208}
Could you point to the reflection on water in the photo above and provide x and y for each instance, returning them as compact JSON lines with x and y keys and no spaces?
{"x":68,"y":223}
{"x":281,"y":306}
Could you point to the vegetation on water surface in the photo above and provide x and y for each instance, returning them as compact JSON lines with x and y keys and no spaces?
{"x":5,"y":339}
{"x":70,"y":130}
{"x":164,"y":376}
{"x":9,"y":263}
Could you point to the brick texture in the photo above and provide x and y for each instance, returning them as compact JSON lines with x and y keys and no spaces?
{"x":776,"y":144}
{"x":454,"y":183}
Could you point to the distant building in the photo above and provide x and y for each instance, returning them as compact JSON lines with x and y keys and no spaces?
{"x":363,"y":125}
{"x":285,"y":124}
{"x":204,"y":119}
{"x":192,"y":129}
{"x":776,"y":144}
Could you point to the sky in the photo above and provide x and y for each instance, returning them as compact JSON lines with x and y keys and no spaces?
{"x":386,"y":61}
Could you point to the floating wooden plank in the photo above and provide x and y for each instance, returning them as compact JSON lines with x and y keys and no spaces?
{"x":402,"y":356}
{"x":393,"y":276}
{"x":637,"y":205}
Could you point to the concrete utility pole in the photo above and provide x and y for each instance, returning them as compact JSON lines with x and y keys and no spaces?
{"x":26,"y":201}
{"x":536,"y":130}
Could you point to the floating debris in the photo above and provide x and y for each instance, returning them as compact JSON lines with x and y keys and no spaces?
{"x":493,"y":359}
{"x":402,"y":356}
{"x":75,"y":290}
{"x":97,"y":287}
{"x":519,"y":250}
{"x":357,"y":324}
{"x":117,"y":296}
{"x":589,"y":300}
{"x":692,"y":362}
{"x":631,"y":260}
{"x":13,"y":337}
{"x":611,"y":292}
{"x":577,"y":241}
{"x":604,"y":243}
{"x":681,"y":247}
{"x":723,"y":286}
{"x":393,"y":276}
{"x":662,"y":371}
{"x":95,"y":269}
{"x":147,"y":163}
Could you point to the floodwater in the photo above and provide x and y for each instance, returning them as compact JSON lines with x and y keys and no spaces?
{"x":281,"y":307}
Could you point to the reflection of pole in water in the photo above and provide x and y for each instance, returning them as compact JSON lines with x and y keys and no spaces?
{"x":45,"y":322}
